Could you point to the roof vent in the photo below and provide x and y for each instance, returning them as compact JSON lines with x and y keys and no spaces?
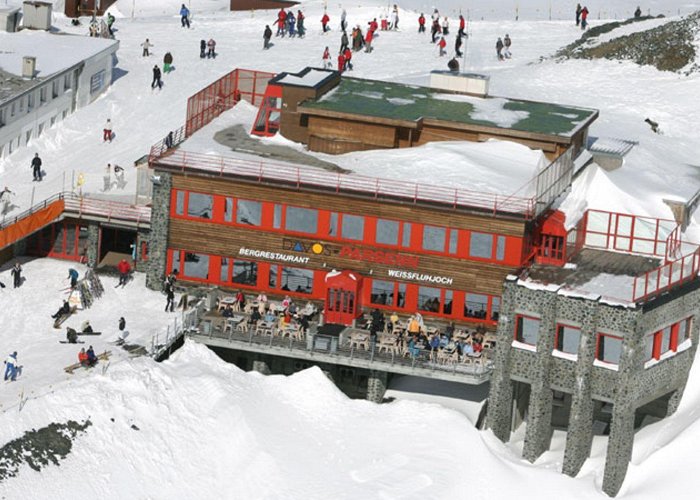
{"x":28,"y":66}
{"x":465,"y":83}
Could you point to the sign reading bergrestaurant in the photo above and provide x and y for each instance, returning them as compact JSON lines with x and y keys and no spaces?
{"x":414,"y":276}
{"x":264,"y":254}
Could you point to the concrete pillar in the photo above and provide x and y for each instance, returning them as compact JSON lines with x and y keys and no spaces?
{"x":261,"y":367}
{"x":376,"y":386}
{"x":619,"y":451}
{"x":675,"y":400}
{"x":158,"y":237}
{"x":93,"y":244}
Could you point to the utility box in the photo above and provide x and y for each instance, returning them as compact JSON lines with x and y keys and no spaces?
{"x":37,"y":15}
{"x":466,"y":83}
{"x":28,"y":66}
{"x":9,"y":19}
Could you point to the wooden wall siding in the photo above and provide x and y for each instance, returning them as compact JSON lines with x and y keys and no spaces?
{"x":357,"y":206}
{"x":337,"y":146}
{"x":371,"y":134}
{"x":213,"y":239}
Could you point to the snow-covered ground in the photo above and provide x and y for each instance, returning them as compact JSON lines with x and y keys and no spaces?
{"x":207,"y":430}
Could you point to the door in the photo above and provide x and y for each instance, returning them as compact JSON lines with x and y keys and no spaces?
{"x":342,"y":297}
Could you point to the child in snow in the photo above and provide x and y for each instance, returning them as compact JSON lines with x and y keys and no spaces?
{"x":185,"y":16}
{"x":442,"y":46}
{"x":167,"y":62}
{"x":327,"y":59}
{"x":146,"y":45}
{"x":211,"y":49}
{"x":107,"y":131}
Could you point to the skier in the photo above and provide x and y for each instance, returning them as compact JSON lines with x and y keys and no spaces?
{"x":167,"y":62}
{"x":324,"y":22}
{"x":442,"y":46}
{"x":395,"y":18}
{"x":462,"y":26}
{"x":347,"y":55}
{"x":124,"y":270}
{"x":434,"y":30}
{"x":119,"y":176}
{"x":499,"y":48}
{"x":301,"y":30}
{"x":343,"y":41}
{"x":445,"y":26}
{"x":578,"y":14}
{"x":156,"y":78}
{"x":327,"y":59}
{"x":122,"y":324}
{"x":146,"y":45}
{"x":211,"y":49}
{"x":343,"y":22}
{"x":421,"y":23}
{"x":506,"y":46}
{"x":202,"y":49}
{"x":341,"y":62}
{"x":584,"y":17}
{"x":453,"y":64}
{"x":73,"y":275}
{"x":368,"y":41}
{"x":266,"y":37}
{"x":64,"y":309}
{"x":36,"y":167}
{"x":373,"y":26}
{"x":6,"y":199}
{"x":11,"y":367}
{"x":107,"y":131}
{"x":17,"y":275}
{"x":281,"y":20}
{"x":291,"y":22}
{"x":185,"y":16}
{"x":107,"y":178}
{"x":170,"y":297}
{"x":458,"y":46}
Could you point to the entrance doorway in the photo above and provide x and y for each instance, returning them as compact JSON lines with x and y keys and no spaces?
{"x":342,"y":297}
{"x":115,"y":245}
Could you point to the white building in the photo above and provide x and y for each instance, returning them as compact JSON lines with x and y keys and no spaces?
{"x":68,"y":72}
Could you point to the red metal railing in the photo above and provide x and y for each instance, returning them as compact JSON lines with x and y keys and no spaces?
{"x":223,"y":94}
{"x":315,"y":178}
{"x":160,"y":147}
{"x":666,"y":276}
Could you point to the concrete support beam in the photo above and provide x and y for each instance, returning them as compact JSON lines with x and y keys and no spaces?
{"x":376,"y":386}
{"x":158,"y":238}
{"x":619,"y":451}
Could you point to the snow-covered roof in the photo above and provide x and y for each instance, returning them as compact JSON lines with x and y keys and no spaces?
{"x":309,"y":77}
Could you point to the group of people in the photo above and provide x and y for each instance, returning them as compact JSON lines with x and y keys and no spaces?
{"x":119,"y":180}
{"x":582,"y":16}
{"x":439,"y":30}
{"x":503,"y":48}
{"x":288,"y":24}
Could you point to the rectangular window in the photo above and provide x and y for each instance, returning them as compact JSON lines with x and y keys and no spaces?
{"x":527,"y":329}
{"x":454,"y":236}
{"x":353,"y":227}
{"x":66,"y":82}
{"x":245,"y":272}
{"x":447,"y":307}
{"x":249,"y":212}
{"x":42,"y":94}
{"x":297,"y":280}
{"x":649,"y":347}
{"x":406,"y":237}
{"x":21,"y":105}
{"x":481,"y":245}
{"x":200,"y":205}
{"x":228,"y":210}
{"x":177,"y":265}
{"x":401,"y":296}
{"x":665,"y":345}
{"x":429,"y":299}
{"x":196,"y":265}
{"x":500,"y":248}
{"x":301,"y":220}
{"x":224,"y":270}
{"x":97,"y":81}
{"x":434,"y":238}
{"x":180,"y":202}
{"x":272,"y":279}
{"x":475,"y":305}
{"x":333,"y":225}
{"x":495,"y":308}
{"x":382,"y":293}
{"x":683,"y":331}
{"x":277,"y":217}
{"x":609,"y":348}
{"x":568,"y":339}
{"x":387,"y":232}
{"x":30,"y":101}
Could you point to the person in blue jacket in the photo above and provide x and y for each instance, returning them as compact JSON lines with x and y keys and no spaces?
{"x":11,"y":367}
{"x":73,"y":275}
{"x":185,"y":16}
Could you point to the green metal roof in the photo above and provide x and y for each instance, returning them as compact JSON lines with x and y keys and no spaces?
{"x":408,"y":102}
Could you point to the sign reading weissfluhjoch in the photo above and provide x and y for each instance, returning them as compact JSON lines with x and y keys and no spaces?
{"x":414,"y":276}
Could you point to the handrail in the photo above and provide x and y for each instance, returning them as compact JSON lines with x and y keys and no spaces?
{"x":666,"y":277}
{"x":32,"y":210}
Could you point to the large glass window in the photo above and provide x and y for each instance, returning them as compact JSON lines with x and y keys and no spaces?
{"x":447,"y":308}
{"x":297,"y":280}
{"x":196,"y":265}
{"x":177,"y":265}
{"x":333,"y":224}
{"x":649,"y":347}
{"x":609,"y":348}
{"x":387,"y":232}
{"x":249,"y":212}
{"x":180,"y":203}
{"x":527,"y":329}
{"x":272,"y":279}
{"x":665,"y":340}
{"x":475,"y":305}
{"x":481,"y":245}
{"x":224,"y":269}
{"x":277,"y":217}
{"x":495,"y":308}
{"x":429,"y":299}
{"x":454,"y":235}
{"x":353,"y":227}
{"x":200,"y":205}
{"x":683,"y":331}
{"x":228,"y":210}
{"x":382,"y":293}
{"x":301,"y":220}
{"x":401,"y":296}
{"x":500,"y":248}
{"x":245,"y":272}
{"x":568,"y":339}
{"x":406,"y":237}
{"x":434,"y":238}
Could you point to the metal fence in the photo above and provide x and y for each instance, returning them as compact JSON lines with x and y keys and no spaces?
{"x":666,"y":276}
{"x":162,"y":342}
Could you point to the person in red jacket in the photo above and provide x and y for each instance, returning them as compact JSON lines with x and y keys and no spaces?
{"x":462,"y":25}
{"x":281,"y":21}
{"x":584,"y":18}
{"x":124,"y":270}
{"x":373,"y":26}
{"x":341,"y":62}
{"x":368,"y":40}
{"x":421,"y":23}
{"x":83,"y":357}
{"x":324,"y":22}
{"x":442,"y":46}
{"x":327,"y":64}
{"x":348,"y":57}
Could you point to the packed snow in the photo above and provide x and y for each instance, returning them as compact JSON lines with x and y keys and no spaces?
{"x":208,"y":430}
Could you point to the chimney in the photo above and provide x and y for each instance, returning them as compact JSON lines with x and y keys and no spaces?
{"x":28,"y":67}
{"x":464,"y":83}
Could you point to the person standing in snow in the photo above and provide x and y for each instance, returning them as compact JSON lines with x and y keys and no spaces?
{"x":156,"y":78}
{"x":458,"y":46}
{"x":638,"y":12}
{"x":211,"y":49}
{"x":499,"y":49}
{"x":170,"y":297}
{"x":395,"y":18}
{"x":301,"y":30}
{"x":119,"y":176}
{"x":266,"y":37}
{"x":578,"y":14}
{"x":421,"y":23}
{"x":107,"y":178}
{"x":462,"y":26}
{"x":281,"y":22}
{"x":327,"y":59}
{"x":343,"y":41}
{"x":110,"y":23}
{"x":167,"y":62}
{"x":368,"y":40}
{"x":185,"y":16}
{"x":11,"y":367}
{"x":347,"y":55}
{"x":341,"y":62}
{"x":122,"y":324}
{"x":73,"y":276}
{"x":584,"y":17}
{"x":6,"y":200}
{"x":17,"y":275}
{"x":36,"y":167}
{"x":506,"y":46}
{"x":107,"y":131}
{"x":124,"y":271}
{"x":445,"y":26}
{"x":324,"y":21}
{"x":343,"y":22}
{"x":146,"y":46}
{"x":442,"y":44}
{"x":434,"y":30}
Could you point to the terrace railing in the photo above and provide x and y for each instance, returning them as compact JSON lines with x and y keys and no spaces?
{"x":667,"y":276}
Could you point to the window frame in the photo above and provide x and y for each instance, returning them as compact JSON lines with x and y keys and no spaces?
{"x":598,"y":341}
{"x":558,"y":330}
{"x":518,"y":328}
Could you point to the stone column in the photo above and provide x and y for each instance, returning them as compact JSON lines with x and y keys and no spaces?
{"x":158,"y":237}
{"x":579,"y":436}
{"x":538,"y":433}
{"x":93,"y":244}
{"x":376,"y":386}
{"x":261,"y":367}
{"x":619,"y":451}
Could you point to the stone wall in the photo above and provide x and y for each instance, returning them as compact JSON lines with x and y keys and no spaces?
{"x":93,"y":244}
{"x":158,"y":237}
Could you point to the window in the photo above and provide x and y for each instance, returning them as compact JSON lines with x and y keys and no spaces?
{"x":527,"y":329}
{"x":42,"y":94}
{"x":665,"y":341}
{"x":301,"y":220}
{"x":21,"y":105}
{"x":495,"y":308}
{"x":475,"y":305}
{"x":481,"y":245}
{"x":683,"y":331}
{"x":434,"y":238}
{"x":353,"y":227}
{"x":66,"y":82}
{"x":196,"y":265}
{"x":387,"y":232}
{"x":228,"y":210}
{"x":297,"y":280}
{"x":224,"y":270}
{"x":97,"y":81}
{"x":454,"y":236}
{"x":277,"y":219}
{"x":500,"y":248}
{"x":382,"y":293}
{"x":200,"y":205}
{"x":2,"y":117}
{"x":609,"y":348}
{"x":177,"y":265}
{"x":401,"y":296}
{"x":567,"y":339}
{"x":333,"y":225}
{"x":30,"y":101}
{"x":649,"y":347}
{"x":249,"y":212}
{"x":447,"y":307}
{"x":406,"y":239}
{"x":245,"y":272}
{"x":54,"y":88}
{"x":272,"y":278}
{"x":180,"y":202}
{"x":429,"y":299}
